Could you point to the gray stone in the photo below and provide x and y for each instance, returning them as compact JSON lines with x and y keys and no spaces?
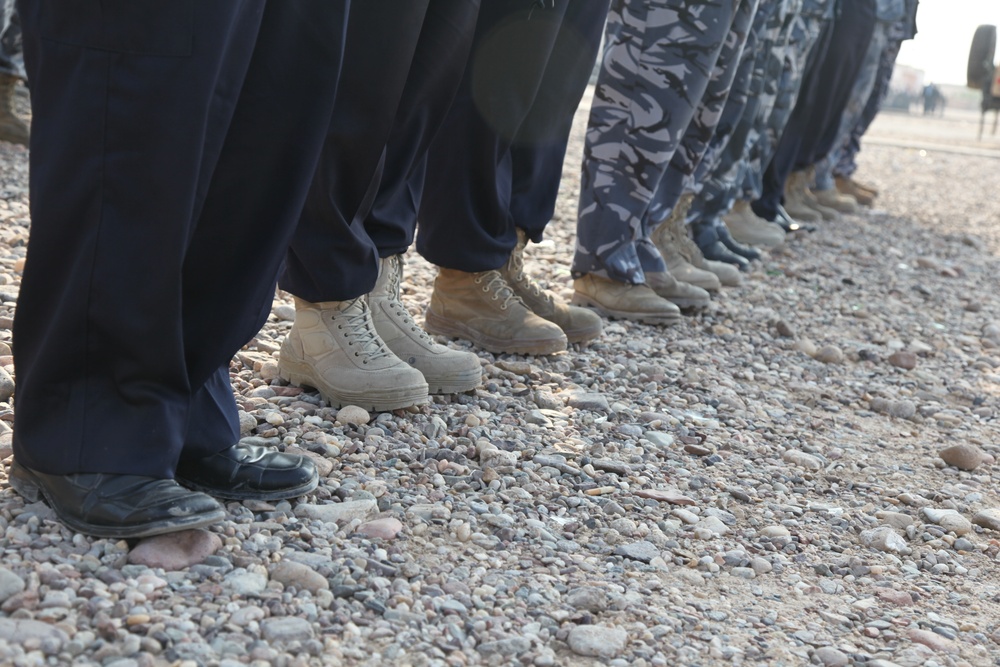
{"x":343,"y":512}
{"x":286,"y":629}
{"x":831,"y":657}
{"x":988,"y":518}
{"x":641,"y":551}
{"x":587,"y":598}
{"x":505,"y":647}
{"x":598,"y":641}
{"x":20,"y":630}
{"x":10,"y":584}
{"x":591,"y":402}
{"x":247,"y":584}
{"x":6,"y":386}
{"x":883,"y":538}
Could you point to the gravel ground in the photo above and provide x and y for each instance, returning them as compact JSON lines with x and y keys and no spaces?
{"x":804,"y":474}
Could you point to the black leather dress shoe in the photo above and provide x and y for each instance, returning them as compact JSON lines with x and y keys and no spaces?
{"x":734,"y":246}
{"x":117,"y":506}
{"x":706,"y":236}
{"x":789,"y":224}
{"x":245,"y":472}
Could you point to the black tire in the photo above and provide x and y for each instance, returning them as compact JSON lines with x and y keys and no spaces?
{"x":984,"y":47}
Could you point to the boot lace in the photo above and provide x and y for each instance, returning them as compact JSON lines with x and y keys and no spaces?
{"x":522,"y":282}
{"x":359,"y":330}
{"x":396,"y":303}
{"x":494,"y":283}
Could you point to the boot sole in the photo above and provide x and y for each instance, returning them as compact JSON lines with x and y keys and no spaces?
{"x":582,"y":335}
{"x":30,"y":488}
{"x":645,"y":318}
{"x":453,"y":383}
{"x":300,"y":374}
{"x":442,"y":327}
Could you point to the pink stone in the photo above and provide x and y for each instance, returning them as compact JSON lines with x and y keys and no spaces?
{"x":175,"y":551}
{"x":903,"y":359}
{"x":933,"y":641}
{"x":385,"y":529}
{"x":665,"y":496}
{"x":892,"y":596}
{"x":286,"y":391}
{"x":324,"y":466}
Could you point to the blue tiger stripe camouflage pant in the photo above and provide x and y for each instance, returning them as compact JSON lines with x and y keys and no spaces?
{"x":659,"y":58}
{"x":10,"y":40}
{"x":715,"y":181}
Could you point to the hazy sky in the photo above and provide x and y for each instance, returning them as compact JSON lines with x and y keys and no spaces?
{"x":946,"y":27}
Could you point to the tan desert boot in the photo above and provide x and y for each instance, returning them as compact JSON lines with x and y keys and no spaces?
{"x":482,"y":307}
{"x":666,"y":238}
{"x":12,"y":128}
{"x":579,"y":324}
{"x":847,"y":186}
{"x":623,"y":301}
{"x":681,"y":294}
{"x":333,"y":346}
{"x":838,"y":202}
{"x":446,"y":371}
{"x":727,"y":274}
{"x":795,"y":204}
{"x":746,"y":227}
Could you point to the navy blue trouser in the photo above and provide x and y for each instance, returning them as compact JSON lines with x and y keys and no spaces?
{"x":365,"y":196}
{"x":826,"y":88}
{"x":497,"y":164}
{"x":172,"y":148}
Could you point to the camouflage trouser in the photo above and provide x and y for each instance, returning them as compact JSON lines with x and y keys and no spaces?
{"x":847,"y":160}
{"x":789,"y":65}
{"x":10,"y":40}
{"x":717,"y":174}
{"x":712,"y":124}
{"x":658,"y":60}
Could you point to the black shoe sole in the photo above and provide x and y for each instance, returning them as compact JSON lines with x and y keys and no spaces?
{"x":25,"y":482}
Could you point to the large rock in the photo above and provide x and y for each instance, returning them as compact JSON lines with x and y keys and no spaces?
{"x":963,"y":457}
{"x":175,"y":551}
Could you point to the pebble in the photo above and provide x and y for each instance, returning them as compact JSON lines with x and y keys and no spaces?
{"x":300,"y":576}
{"x":640,"y":551}
{"x":587,"y":599}
{"x":352,"y":414}
{"x":175,"y":551}
{"x":10,"y":584}
{"x":6,"y":385}
{"x":343,"y":512}
{"x":286,"y":629}
{"x":883,"y":539}
{"x":808,"y":461}
{"x":385,"y":529}
{"x":831,"y":657}
{"x":963,"y":457}
{"x":932,"y":640}
{"x":894,"y":597}
{"x":903,"y":359}
{"x":598,"y":641}
{"x":829,"y":354}
{"x":987,"y":518}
